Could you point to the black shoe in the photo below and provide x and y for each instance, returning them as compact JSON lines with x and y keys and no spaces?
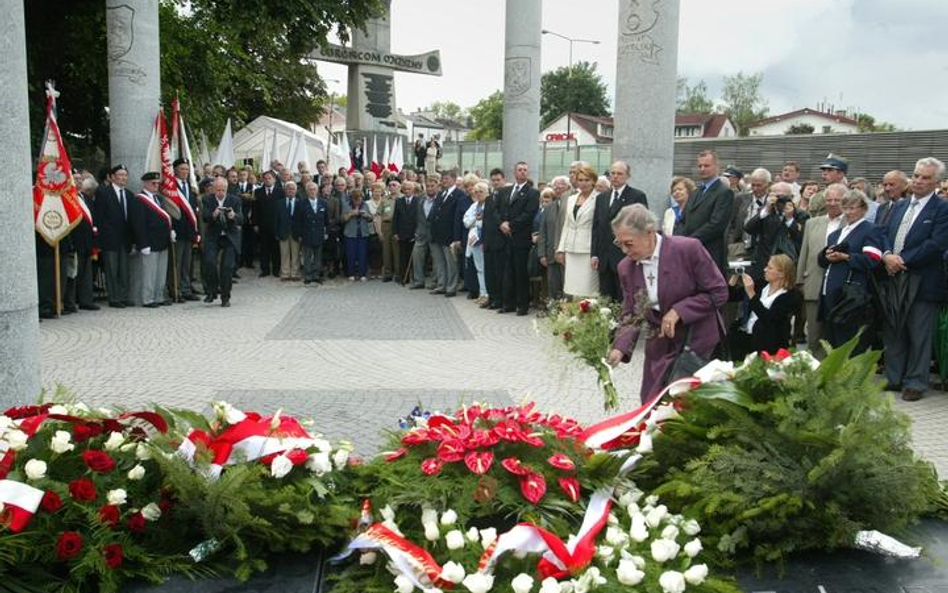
{"x":891,"y":387}
{"x":438,"y":291}
{"x":502,"y":310}
{"x":152,"y":305}
{"x":89,"y":307}
{"x":416,"y":286}
{"x":236,"y":276}
{"x":493,"y":306}
{"x":209,"y":299}
{"x":450,"y":294}
{"x":167,"y":303}
{"x":307,"y":282}
{"x":70,"y":309}
{"x":522,"y":312}
{"x":47,"y":315}
{"x":197,"y":292}
{"x":179,"y":300}
{"x":471,"y":296}
{"x":191,"y":297}
{"x":129,"y":304}
{"x":117,"y":305}
{"x":387,"y":279}
{"x":318,"y":281}
{"x":66,"y":312}
{"x":485,"y":306}
{"x":264,"y":274}
{"x":225,"y":303}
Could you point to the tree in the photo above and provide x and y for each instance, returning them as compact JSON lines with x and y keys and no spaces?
{"x":223,"y":58}
{"x":867,"y":123}
{"x":447,"y":110}
{"x":741,"y":100}
{"x":693,"y":99}
{"x":803,"y":128}
{"x":488,"y":118}
{"x":579,"y":91}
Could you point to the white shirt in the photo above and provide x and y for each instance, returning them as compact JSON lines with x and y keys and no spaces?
{"x":616,"y":194}
{"x":848,"y":229}
{"x":650,"y":271}
{"x":767,"y":299}
{"x":832,"y":225}
{"x":921,"y":203}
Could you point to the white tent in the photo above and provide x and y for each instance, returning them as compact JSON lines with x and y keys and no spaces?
{"x":252,"y":141}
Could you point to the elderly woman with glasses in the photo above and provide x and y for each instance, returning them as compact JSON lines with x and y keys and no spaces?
{"x":680,"y":288}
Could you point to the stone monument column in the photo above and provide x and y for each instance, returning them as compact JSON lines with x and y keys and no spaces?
{"x":372,"y":86}
{"x":522,"y":85}
{"x":19,"y":320}
{"x":134,"y":81}
{"x":646,"y":85}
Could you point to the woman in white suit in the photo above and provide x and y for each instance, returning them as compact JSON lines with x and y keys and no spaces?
{"x":580,"y":280}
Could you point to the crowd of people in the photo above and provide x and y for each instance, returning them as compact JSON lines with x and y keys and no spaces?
{"x":782,"y":260}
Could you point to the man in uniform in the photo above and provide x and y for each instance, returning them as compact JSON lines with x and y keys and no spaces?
{"x":833,"y":170}
{"x":151,"y":227}
{"x":187,"y":233}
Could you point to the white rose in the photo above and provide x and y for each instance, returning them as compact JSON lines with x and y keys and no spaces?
{"x":228,"y":413}
{"x":454,"y":539}
{"x":136,"y":473}
{"x":616,"y":537}
{"x":432,"y":533}
{"x":696,"y":574}
{"x":716,"y":370}
{"x":805,"y":356}
{"x":550,"y":585}
{"x":645,"y":443}
{"x":58,"y":409}
{"x":280,"y":466}
{"x":655,"y":516}
{"x":612,"y":520}
{"x":670,"y":532}
{"x":628,"y":573}
{"x":60,"y":443}
{"x":660,"y":414}
{"x":691,"y":527}
{"x":116,"y":497}
{"x":322,"y":444}
{"x":367,"y":558}
{"x":639,"y":531}
{"x":605,"y":552}
{"x":403,"y":584}
{"x":388,"y":513}
{"x":632,"y":509}
{"x":473,"y":535}
{"x":488,"y":536}
{"x":142,"y":452}
{"x":449,"y":517}
{"x":17,"y":439}
{"x":664,"y":550}
{"x":523,"y":583}
{"x":452,"y":572}
{"x":672,"y":582}
{"x":340,"y":458}
{"x":478,"y":582}
{"x":104,"y":412}
{"x":151,"y":512}
{"x":651,"y":500}
{"x":35,"y":469}
{"x":429,"y":515}
{"x":693,"y":548}
{"x":319,"y":463}
{"x":5,"y":422}
{"x":114,"y":441}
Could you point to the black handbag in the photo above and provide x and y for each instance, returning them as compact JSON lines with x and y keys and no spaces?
{"x":686,"y":362}
{"x":852,"y":304}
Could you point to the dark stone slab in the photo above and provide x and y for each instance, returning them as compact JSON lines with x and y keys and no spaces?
{"x":359,"y":416}
{"x":341,"y":313}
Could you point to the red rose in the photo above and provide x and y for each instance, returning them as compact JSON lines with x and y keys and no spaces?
{"x":109,"y":515}
{"x":584,"y":306}
{"x":98,"y":461}
{"x":113,"y":555}
{"x":83,"y":431}
{"x":51,"y":502}
{"x":69,"y":545}
{"x":82,"y":490}
{"x":136,"y":523}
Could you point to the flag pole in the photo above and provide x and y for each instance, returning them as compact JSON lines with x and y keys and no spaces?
{"x":59,"y":301}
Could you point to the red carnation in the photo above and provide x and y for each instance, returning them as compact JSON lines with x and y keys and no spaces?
{"x":136,"y":523}
{"x":98,"y":461}
{"x":82,"y":490}
{"x":431,"y":466}
{"x":69,"y":545}
{"x":51,"y":502}
{"x":109,"y":514}
{"x":113,"y":555}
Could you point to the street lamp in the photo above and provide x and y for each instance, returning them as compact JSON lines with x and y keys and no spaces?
{"x":569,"y":77}
{"x":332,"y":103}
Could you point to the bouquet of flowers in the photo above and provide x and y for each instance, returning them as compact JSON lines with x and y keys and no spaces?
{"x":587,"y":328}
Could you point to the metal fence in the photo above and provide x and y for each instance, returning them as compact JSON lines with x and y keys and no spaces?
{"x":869,"y":155}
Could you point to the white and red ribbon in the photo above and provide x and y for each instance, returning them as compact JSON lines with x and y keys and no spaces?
{"x":151,"y":204}
{"x":415,"y":563}
{"x":20,"y":502}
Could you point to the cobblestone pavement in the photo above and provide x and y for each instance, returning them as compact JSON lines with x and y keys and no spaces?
{"x":433,"y":350}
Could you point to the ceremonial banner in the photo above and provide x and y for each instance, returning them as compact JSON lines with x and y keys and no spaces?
{"x":159,"y":159}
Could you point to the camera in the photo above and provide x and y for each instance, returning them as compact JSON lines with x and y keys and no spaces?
{"x":739,"y":267}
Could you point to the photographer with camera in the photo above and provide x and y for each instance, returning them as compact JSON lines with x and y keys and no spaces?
{"x":222,"y":215}
{"x":777,"y":228}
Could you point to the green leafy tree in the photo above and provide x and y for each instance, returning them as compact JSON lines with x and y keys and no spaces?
{"x":487,"y":118}
{"x":742,"y":101}
{"x":579,"y":91}
{"x":223,"y":58}
{"x":797,"y":129}
{"x":867,"y":123}
{"x":693,"y":99}
{"x":448,"y":110}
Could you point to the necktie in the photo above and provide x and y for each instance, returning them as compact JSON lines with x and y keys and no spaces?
{"x":124,"y":206}
{"x":904,"y":227}
{"x":289,"y":207}
{"x":269,"y":189}
{"x":615,"y":196}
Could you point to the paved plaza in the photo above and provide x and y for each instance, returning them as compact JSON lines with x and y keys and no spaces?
{"x":354,"y":357}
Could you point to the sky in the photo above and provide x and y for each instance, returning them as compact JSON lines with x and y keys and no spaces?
{"x":887,"y":58}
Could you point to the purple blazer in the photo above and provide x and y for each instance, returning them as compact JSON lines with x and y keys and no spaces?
{"x":690,"y":283}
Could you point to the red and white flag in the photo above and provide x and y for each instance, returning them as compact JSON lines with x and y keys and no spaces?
{"x":20,"y":502}
{"x":386,"y":155}
{"x":375,"y":166}
{"x":159,"y":159}
{"x":57,"y":208}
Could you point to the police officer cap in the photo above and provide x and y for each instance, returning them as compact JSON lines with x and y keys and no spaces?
{"x":118,"y":168}
{"x":151,"y":176}
{"x":732,"y":171}
{"x":180,"y":162}
{"x":833,"y":161}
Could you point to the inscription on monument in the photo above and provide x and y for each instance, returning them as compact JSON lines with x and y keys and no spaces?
{"x":378,"y":94}
{"x":121,"y":39}
{"x":636,"y":37}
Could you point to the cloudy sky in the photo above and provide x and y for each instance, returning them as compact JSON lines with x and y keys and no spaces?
{"x":887,"y":58}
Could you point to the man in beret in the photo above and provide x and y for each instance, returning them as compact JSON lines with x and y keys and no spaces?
{"x":115,"y":235}
{"x":151,"y":227}
{"x":832,"y":170}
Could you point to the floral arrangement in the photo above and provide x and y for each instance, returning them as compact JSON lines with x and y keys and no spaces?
{"x":587,"y":328}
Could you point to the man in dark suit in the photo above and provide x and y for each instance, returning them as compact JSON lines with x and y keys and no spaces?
{"x":283,"y":231}
{"x":151,"y":227}
{"x":222,"y":214}
{"x":309,"y":228}
{"x":495,"y":241}
{"x":186,"y":233}
{"x":894,"y":186}
{"x":115,"y":234}
{"x":404,"y":221}
{"x":459,"y":240}
{"x":551,"y":226}
{"x":916,"y":241}
{"x":442,"y":235}
{"x":604,"y":255}
{"x":248,"y":239}
{"x":83,"y":239}
{"x":516,"y":222}
{"x":709,"y":210}
{"x":264,"y":207}
{"x":423,"y":243}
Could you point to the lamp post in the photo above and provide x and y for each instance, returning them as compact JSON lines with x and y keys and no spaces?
{"x":569,"y":78}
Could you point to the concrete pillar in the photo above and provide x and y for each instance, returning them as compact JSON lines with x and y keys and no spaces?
{"x":371,"y":88}
{"x":134,"y":81}
{"x":646,"y":78}
{"x":19,"y":320}
{"x":522,"y":85}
